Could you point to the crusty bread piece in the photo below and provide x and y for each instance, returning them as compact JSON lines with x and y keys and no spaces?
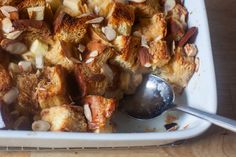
{"x":121,"y":18}
{"x":33,"y":30}
{"x":72,"y":29}
{"x":129,"y":54}
{"x":26,"y":84}
{"x":24,"y":4}
{"x":147,"y":8}
{"x":65,"y":118}
{"x":179,"y":70}
{"x":90,"y":82}
{"x":59,"y":55}
{"x":103,"y":7}
{"x":5,"y":81}
{"x":51,"y":90}
{"x":152,"y":28}
{"x":101,"y":109}
{"x":160,"y":53}
{"x":104,"y":54}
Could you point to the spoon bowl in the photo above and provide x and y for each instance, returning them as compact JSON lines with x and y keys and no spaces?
{"x":155,"y":95}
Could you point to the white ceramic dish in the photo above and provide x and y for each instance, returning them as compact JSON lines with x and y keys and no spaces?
{"x":200,"y":93}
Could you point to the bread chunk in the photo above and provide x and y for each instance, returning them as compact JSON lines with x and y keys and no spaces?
{"x":129,"y":53}
{"x":121,"y":18}
{"x":147,"y":8}
{"x":5,"y":81}
{"x":101,"y":110}
{"x":65,"y":118}
{"x":71,"y":29}
{"x":179,"y":70}
{"x":51,"y":90}
{"x":59,"y":54}
{"x":90,"y":82}
{"x":160,"y":53}
{"x":154,"y":27}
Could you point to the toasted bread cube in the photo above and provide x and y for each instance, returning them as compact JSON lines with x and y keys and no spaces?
{"x":51,"y":90}
{"x":154,"y":27}
{"x":147,"y":8}
{"x":100,"y":7}
{"x":33,"y":30}
{"x":179,"y":70}
{"x":23,"y":5}
{"x":101,"y":54}
{"x":129,"y":54}
{"x":5,"y":81}
{"x":55,"y":4}
{"x":101,"y":110}
{"x":65,"y":118}
{"x":75,"y":6}
{"x":121,"y":18}
{"x":90,"y":82}
{"x":72,"y":29}
{"x":26,"y":84}
{"x":58,"y":55}
{"x":160,"y":53}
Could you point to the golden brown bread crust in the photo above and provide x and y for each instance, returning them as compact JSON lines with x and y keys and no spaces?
{"x":31,"y":3}
{"x":154,"y":27}
{"x":33,"y":30}
{"x":5,"y":81}
{"x":121,"y":18}
{"x":101,"y":109}
{"x":147,"y":8}
{"x":26,"y":84}
{"x":52,"y":88}
{"x":129,"y":54}
{"x":103,"y":6}
{"x":58,"y":55}
{"x":179,"y":70}
{"x":72,"y":29}
{"x":65,"y":118}
{"x":160,"y":53}
{"x":90,"y":82}
{"x":104,"y":54}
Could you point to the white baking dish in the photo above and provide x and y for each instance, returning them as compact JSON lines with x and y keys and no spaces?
{"x":200,"y":93}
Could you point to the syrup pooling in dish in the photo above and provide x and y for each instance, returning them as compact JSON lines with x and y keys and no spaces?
{"x":65,"y":65}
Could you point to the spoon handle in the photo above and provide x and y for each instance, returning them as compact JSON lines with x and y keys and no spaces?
{"x":215,"y":119}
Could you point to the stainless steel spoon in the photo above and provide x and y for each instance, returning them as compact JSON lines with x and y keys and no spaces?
{"x":154,"y":96}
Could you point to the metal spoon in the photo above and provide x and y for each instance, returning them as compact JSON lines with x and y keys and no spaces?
{"x":154,"y":96}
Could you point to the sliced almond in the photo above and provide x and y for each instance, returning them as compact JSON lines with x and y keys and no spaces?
{"x":89,"y":60}
{"x":81,"y":48}
{"x":84,"y":15}
{"x":7,"y":10}
{"x":144,"y":42}
{"x":13,"y":47}
{"x":169,"y":5}
{"x":36,"y":13}
{"x":25,"y":66}
{"x":87,"y":112}
{"x":40,"y":125}
{"x":96,"y":20}
{"x":109,"y":32}
{"x":107,"y":71}
{"x":11,"y":96}
{"x":96,"y":10}
{"x":190,"y":50}
{"x":39,"y":61}
{"x":93,"y":54}
{"x":13,"y":35}
{"x":144,"y":57}
{"x":7,"y":25}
